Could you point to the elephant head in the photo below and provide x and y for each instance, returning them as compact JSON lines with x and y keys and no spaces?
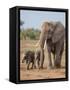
{"x":55,"y":32}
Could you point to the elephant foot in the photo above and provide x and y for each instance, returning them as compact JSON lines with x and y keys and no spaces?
{"x":22,"y":61}
{"x":51,"y":67}
{"x":41,"y":67}
{"x":31,"y":68}
{"x":57,"y":66}
{"x":27,"y":68}
{"x":35,"y":67}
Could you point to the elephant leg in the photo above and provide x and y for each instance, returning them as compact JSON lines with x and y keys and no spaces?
{"x":61,"y":56}
{"x":41,"y":58}
{"x":50,"y":61}
{"x":60,"y":60}
{"x":54,"y":59}
{"x":32,"y":65}
{"x":38,"y":63}
{"x":28,"y":65}
{"x":57,"y":61}
{"x":59,"y":52}
{"x":49,"y":56}
{"x":23,"y":60}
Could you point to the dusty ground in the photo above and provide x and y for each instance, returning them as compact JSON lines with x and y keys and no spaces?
{"x":45,"y":73}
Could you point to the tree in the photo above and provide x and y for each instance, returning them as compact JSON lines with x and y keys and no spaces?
{"x":21,"y":22}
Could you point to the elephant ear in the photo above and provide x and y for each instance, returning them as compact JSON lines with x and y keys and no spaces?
{"x":58,"y":32}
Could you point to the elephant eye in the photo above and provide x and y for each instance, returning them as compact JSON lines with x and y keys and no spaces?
{"x":50,"y":31}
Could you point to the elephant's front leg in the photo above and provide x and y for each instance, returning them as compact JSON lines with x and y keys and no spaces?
{"x":32,"y":65}
{"x":57,"y":61}
{"x":59,"y":52}
{"x":28,"y":65}
{"x":54,"y":60}
{"x":50,"y":61}
{"x":41,"y":58}
{"x":38,"y":63}
{"x":49,"y":57}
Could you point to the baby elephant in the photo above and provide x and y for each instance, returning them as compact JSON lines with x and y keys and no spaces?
{"x":29,"y":57}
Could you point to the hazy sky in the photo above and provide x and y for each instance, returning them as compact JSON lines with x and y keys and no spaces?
{"x":34,"y":19}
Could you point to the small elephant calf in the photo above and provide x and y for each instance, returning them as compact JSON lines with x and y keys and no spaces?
{"x":31,"y":57}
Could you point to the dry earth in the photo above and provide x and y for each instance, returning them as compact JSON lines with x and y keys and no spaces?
{"x":45,"y":73}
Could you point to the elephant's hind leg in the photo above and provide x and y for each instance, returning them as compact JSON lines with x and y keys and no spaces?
{"x":57,"y":61}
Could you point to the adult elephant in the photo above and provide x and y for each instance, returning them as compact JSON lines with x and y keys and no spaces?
{"x":53,"y":34}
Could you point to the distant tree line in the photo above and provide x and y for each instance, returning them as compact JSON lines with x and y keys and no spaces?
{"x":30,"y":33}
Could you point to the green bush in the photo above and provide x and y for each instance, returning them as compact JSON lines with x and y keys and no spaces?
{"x":30,"y":34}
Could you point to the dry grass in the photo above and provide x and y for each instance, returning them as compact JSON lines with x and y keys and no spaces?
{"x":36,"y":73}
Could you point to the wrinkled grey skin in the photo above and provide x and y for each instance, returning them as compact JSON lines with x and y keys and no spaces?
{"x":54,"y":37}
